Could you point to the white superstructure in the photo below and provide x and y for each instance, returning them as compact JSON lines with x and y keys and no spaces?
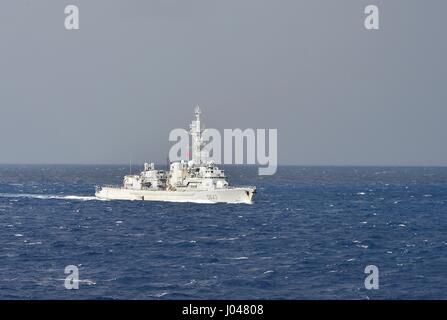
{"x":196,"y":180}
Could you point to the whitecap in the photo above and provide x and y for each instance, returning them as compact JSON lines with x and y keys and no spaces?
{"x":227,"y":239}
{"x":34,"y":243}
{"x":86,"y":281}
{"x":159,"y":295}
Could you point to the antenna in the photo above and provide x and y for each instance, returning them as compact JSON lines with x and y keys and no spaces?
{"x":130,"y":166}
{"x":197,"y":111}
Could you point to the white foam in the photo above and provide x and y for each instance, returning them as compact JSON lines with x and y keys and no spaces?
{"x":93,"y":198}
{"x":85,"y":281}
{"x":200,"y":201}
{"x":49,"y":196}
{"x":80,"y":281}
{"x":159,"y":295}
{"x":227,"y":239}
{"x":34,"y":243}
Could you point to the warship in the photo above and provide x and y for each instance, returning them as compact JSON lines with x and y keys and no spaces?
{"x":193,"y":180}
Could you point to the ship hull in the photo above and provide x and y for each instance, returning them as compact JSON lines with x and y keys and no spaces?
{"x":231,"y":195}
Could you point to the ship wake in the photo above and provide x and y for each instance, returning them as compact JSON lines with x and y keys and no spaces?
{"x":49,"y":196}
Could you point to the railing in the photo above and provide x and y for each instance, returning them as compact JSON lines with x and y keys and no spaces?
{"x":123,"y":187}
{"x":111,"y":186}
{"x":241,"y":187}
{"x":145,"y":188}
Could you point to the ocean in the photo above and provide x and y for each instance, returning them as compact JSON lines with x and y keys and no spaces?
{"x":309,"y":234}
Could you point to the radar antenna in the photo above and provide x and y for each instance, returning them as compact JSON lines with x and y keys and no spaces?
{"x":197,"y":111}
{"x":196,"y":133}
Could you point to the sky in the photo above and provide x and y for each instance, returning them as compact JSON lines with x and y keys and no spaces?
{"x":338,"y":94}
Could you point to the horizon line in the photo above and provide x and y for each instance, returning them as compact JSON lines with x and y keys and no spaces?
{"x":247,"y":165}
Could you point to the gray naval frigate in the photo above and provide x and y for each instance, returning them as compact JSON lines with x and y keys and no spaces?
{"x":196,"y":180}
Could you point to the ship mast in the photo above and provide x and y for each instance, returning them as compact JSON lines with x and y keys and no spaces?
{"x":196,"y":134}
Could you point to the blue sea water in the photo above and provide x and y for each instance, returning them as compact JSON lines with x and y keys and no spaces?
{"x":309,"y":235}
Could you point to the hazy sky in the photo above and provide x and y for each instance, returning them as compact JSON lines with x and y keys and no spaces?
{"x":337,"y":93}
